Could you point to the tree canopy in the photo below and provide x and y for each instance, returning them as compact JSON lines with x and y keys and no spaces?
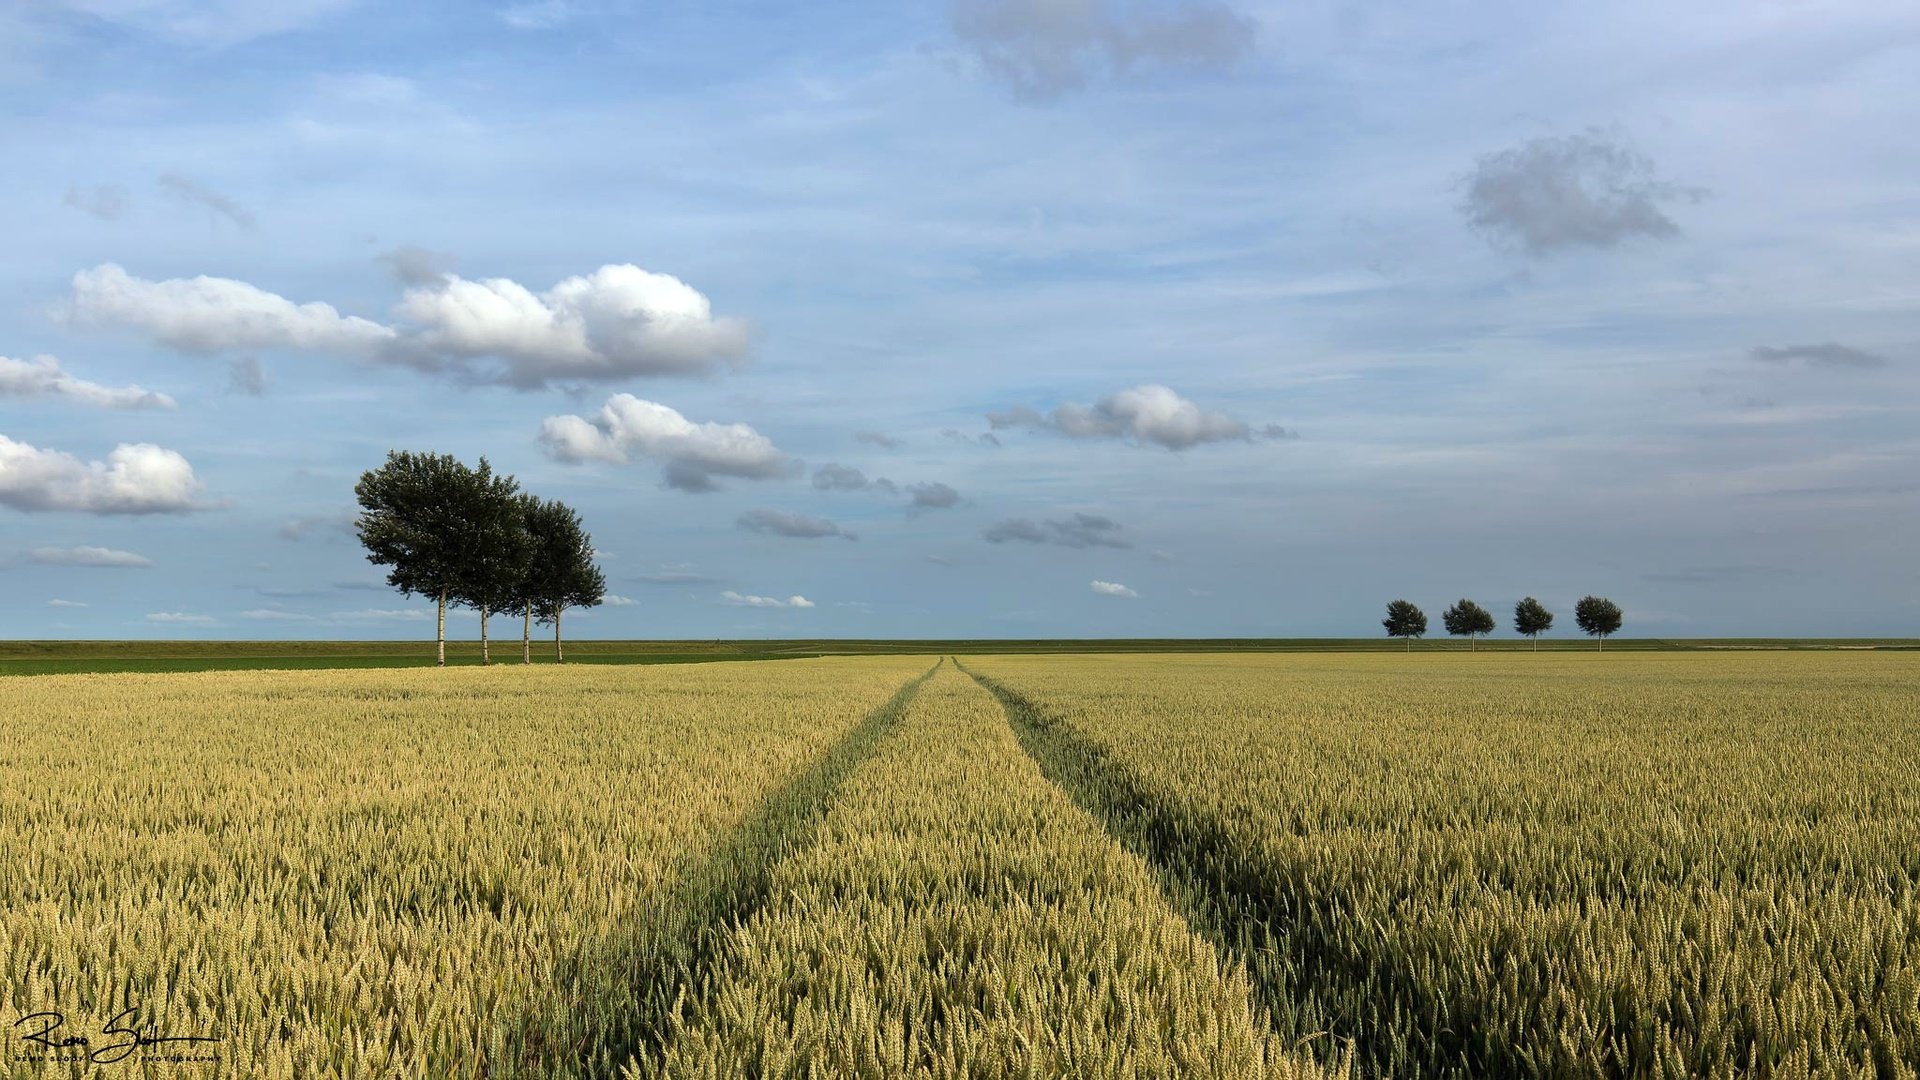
{"x":1467,"y":619}
{"x":1598,"y":617}
{"x":1404,"y":620}
{"x":1531,"y":619}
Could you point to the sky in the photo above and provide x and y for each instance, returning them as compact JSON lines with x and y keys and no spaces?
{"x":969,"y":318}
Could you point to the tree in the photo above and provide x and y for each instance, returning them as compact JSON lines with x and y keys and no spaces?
{"x":411,"y":519}
{"x":1469,"y":619}
{"x":493,"y":519}
{"x":560,"y":571}
{"x":1531,"y":620}
{"x":1597,"y":616}
{"x":1405,"y":621}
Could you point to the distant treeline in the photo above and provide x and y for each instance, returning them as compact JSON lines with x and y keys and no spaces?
{"x":1595,"y":615}
{"x":470,"y":537}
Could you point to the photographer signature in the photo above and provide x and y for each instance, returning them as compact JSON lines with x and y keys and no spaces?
{"x":118,"y":1038}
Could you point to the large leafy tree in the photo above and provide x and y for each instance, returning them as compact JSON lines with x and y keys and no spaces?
{"x":1531,"y":619}
{"x":493,"y":517}
{"x":1599,"y":617}
{"x":1467,"y":619}
{"x":1404,"y":620}
{"x":560,"y":570}
{"x":413,"y":521}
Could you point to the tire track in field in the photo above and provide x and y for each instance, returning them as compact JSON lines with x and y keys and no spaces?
{"x":1252,"y":913}
{"x":679,"y":933}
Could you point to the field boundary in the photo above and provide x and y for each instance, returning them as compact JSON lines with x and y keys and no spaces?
{"x":665,"y":955}
{"x":1245,"y":913}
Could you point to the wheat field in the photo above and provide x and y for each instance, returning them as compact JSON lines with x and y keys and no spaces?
{"x":1120,"y":865}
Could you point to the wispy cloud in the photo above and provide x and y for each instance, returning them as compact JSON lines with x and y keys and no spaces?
{"x":186,"y":191}
{"x":735,"y":599}
{"x":1829,"y":355}
{"x":1558,"y":193}
{"x":1079,"y":531}
{"x":1042,"y":49}
{"x":43,"y":377}
{"x":1114,"y":588}
{"x":796,"y":526}
{"x":100,"y":557}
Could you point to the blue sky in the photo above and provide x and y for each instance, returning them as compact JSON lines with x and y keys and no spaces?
{"x":970,"y":318}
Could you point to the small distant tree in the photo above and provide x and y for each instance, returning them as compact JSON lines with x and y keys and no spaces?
{"x":1531,"y":620}
{"x":411,"y":521}
{"x":493,"y":518}
{"x":561,"y":572}
{"x":1597,"y":616}
{"x":1467,"y":619}
{"x":1405,"y":621}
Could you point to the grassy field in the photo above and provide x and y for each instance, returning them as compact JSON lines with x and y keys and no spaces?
{"x":1646,"y":864}
{"x":82,"y":657}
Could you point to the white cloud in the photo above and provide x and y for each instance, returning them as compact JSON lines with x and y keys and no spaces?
{"x":275,"y":615}
{"x":209,"y":314}
{"x":42,"y":376}
{"x":690,"y":454}
{"x":181,"y":618}
{"x":299,"y":528}
{"x":137,"y":478}
{"x":87,"y":556}
{"x":65,"y":604}
{"x":739,"y":600}
{"x":616,"y":600}
{"x":1114,"y":588}
{"x":1044,"y":48}
{"x":618,"y":322}
{"x":1149,"y":413}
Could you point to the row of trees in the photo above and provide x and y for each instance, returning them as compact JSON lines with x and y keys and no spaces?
{"x":1595,"y":615}
{"x":471,"y":537}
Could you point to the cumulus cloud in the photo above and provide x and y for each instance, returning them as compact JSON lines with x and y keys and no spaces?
{"x":42,"y":376}
{"x":833,"y":477}
{"x":1079,"y":531}
{"x":247,"y":376}
{"x":1557,"y":193}
{"x":931,"y":496}
{"x":878,"y":438}
{"x":106,"y":558}
{"x":1045,"y":48}
{"x":210,"y":314}
{"x":618,"y":322}
{"x":137,"y":478}
{"x":690,"y":455}
{"x":742,"y":600}
{"x":616,"y":600}
{"x":1829,"y":355}
{"x":108,"y":202}
{"x":1144,"y":414}
{"x":1114,"y":588}
{"x":798,"y":526}
{"x":186,"y":191}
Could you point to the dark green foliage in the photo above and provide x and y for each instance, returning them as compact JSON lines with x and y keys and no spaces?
{"x":1597,"y":617}
{"x":1404,"y":620}
{"x":561,"y":572}
{"x":493,"y":524}
{"x":1531,"y":619}
{"x":410,"y":523}
{"x":1466,"y":619}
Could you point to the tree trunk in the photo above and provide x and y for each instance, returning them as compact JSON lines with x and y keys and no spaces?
{"x":559,"y":654}
{"x":484,"y":659}
{"x":1603,"y":642}
{"x":1409,"y":643}
{"x":1536,"y":641}
{"x":442,"y":636}
{"x":526,"y":636}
